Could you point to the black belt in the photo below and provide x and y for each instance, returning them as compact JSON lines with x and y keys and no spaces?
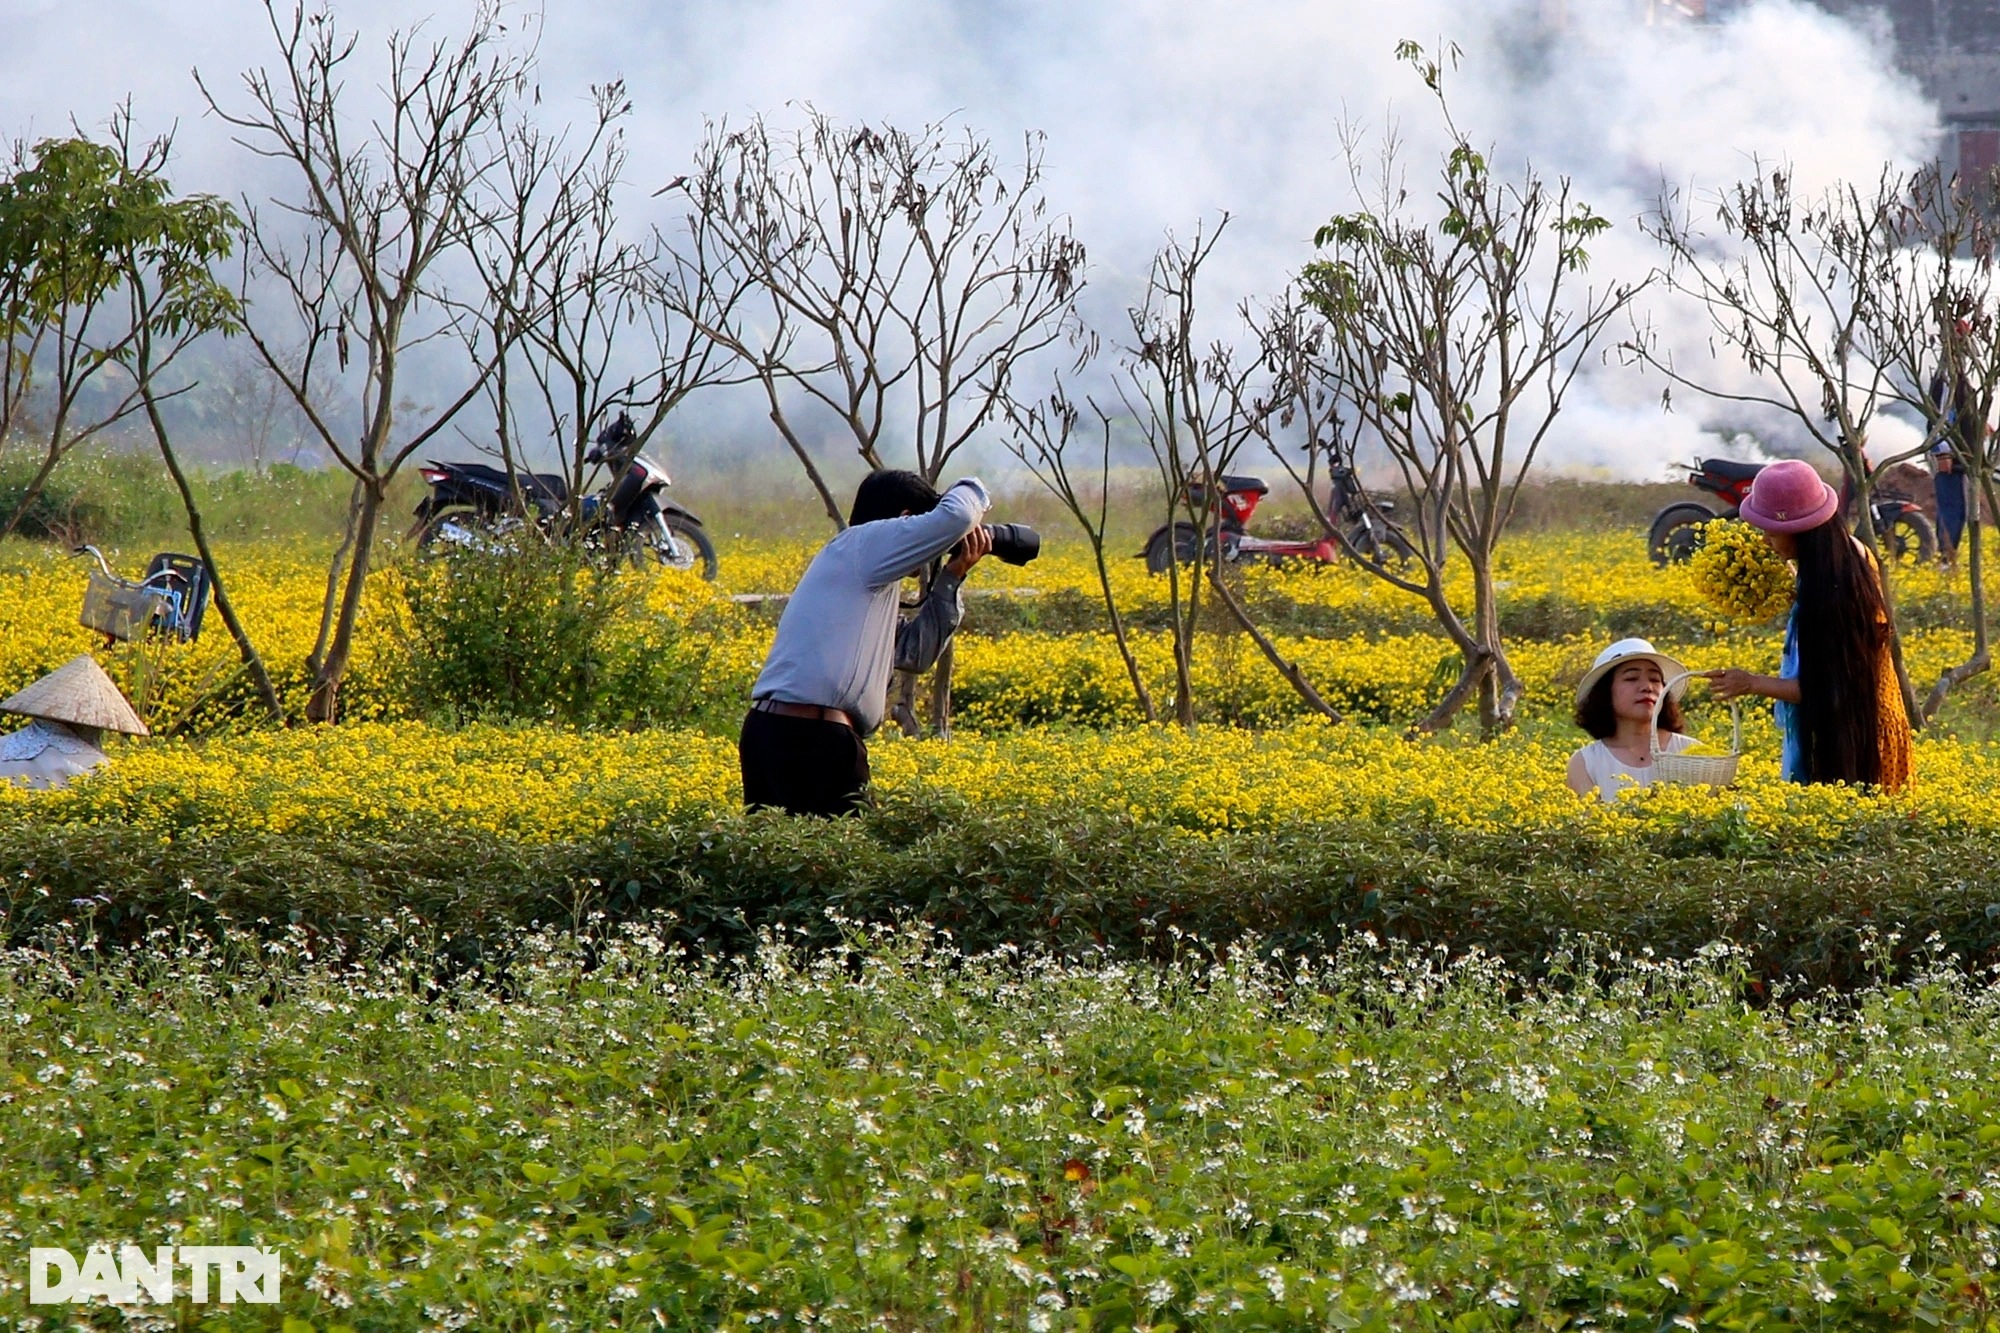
{"x":813,"y":711}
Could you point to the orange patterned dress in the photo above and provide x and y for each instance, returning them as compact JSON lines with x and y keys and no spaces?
{"x":1898,"y":764}
{"x":1893,"y":729}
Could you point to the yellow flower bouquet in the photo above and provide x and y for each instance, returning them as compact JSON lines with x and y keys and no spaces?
{"x":1736,"y":572}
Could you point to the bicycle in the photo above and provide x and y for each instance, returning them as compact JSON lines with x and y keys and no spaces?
{"x":170,"y":598}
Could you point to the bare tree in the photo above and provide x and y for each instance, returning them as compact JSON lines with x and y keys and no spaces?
{"x":1197,"y":405}
{"x":901,"y":278}
{"x":1154,"y":388}
{"x":903,"y":275}
{"x":1046,"y":439}
{"x":1450,"y":339}
{"x":1930,"y":318}
{"x":564,"y":290}
{"x":354,"y":254}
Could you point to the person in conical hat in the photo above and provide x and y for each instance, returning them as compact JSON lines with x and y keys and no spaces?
{"x":71,"y":708}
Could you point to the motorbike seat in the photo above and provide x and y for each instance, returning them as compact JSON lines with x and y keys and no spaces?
{"x":1729,"y":469}
{"x":1242,"y":485}
{"x":543,"y":487}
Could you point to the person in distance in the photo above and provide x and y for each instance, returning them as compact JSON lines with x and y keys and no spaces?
{"x":825,"y":686}
{"x":1614,"y":703}
{"x":1838,"y":704}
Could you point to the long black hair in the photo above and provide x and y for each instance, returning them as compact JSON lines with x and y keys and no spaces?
{"x":1841,"y":625}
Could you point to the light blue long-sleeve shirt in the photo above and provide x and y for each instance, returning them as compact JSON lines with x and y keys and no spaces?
{"x":836,"y":642}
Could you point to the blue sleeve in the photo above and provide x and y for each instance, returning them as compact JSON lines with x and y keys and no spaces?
{"x":895,"y":548}
{"x":1791,"y":745}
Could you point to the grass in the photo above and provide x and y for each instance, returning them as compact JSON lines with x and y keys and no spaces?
{"x":896,"y":1134}
{"x":123,"y":495}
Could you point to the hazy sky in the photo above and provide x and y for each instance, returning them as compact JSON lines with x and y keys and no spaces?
{"x":1159,"y":115}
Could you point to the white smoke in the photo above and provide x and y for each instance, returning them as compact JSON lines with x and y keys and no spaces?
{"x":1158,"y":115}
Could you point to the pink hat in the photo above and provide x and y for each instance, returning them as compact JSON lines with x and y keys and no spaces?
{"x":1789,"y":497}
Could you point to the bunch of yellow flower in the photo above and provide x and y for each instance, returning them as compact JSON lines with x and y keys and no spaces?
{"x":1739,"y":574}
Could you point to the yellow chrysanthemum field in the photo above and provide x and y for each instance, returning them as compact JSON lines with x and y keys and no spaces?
{"x":1045,"y":712}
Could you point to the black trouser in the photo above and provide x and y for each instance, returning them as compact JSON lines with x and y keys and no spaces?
{"x":802,"y":765}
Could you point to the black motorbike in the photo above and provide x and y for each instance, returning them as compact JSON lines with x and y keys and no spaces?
{"x":1904,"y":530}
{"x":473,"y":504}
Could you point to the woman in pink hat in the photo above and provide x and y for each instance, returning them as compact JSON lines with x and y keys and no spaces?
{"x":1837,"y":701}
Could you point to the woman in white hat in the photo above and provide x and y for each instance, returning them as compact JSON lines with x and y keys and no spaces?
{"x":71,"y":708}
{"x":1614,"y":703}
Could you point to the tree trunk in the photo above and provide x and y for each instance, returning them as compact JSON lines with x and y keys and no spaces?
{"x":330,"y":599}
{"x":1118,"y":634}
{"x":1183,"y":630}
{"x":323,"y":706}
{"x":1471,"y":678}
{"x":1478,"y":658}
{"x":1489,"y":705}
{"x":1499,"y":688}
{"x":252,"y":660}
{"x":1286,"y":668}
{"x":1508,"y":691}
{"x":903,"y":708}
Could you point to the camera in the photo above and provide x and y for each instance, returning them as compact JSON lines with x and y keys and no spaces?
{"x":1014,"y":543}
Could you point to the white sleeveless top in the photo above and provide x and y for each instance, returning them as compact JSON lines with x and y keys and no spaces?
{"x":1612,"y":774}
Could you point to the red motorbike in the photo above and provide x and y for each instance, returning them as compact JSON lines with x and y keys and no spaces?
{"x":1361,"y":528}
{"x":1903,"y":527}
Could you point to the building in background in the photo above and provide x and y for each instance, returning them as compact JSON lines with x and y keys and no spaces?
{"x":1951,"y":47}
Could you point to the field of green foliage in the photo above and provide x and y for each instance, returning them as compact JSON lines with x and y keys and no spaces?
{"x":489,"y":1009}
{"x":602,"y":1132}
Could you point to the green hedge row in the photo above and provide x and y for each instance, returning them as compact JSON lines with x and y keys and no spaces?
{"x":1069,"y":884}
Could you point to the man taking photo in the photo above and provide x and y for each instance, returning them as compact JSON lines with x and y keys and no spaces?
{"x":825,"y":686}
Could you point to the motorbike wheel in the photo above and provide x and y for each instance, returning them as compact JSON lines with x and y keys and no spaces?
{"x":689,"y":547}
{"x":1908,"y":538}
{"x":1391,"y":548}
{"x":1165,"y":548}
{"x":1676,"y":532}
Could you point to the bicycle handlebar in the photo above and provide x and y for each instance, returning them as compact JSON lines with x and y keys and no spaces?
{"x":92,"y":550}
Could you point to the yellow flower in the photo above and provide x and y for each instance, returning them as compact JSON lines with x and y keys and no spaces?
{"x":1738,"y":573}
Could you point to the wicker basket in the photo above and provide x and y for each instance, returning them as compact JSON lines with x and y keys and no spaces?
{"x":1716,"y":770}
{"x":121,"y":610}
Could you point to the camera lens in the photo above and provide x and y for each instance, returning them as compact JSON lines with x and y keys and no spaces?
{"x":1014,"y":543}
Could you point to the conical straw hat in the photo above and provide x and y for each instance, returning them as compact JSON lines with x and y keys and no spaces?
{"x":77,"y":691}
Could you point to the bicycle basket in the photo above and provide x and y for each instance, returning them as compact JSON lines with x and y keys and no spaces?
{"x":119,"y":609}
{"x":1715,"y":770}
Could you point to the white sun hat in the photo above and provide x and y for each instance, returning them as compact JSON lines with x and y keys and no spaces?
{"x":1630,"y":650}
{"x":77,"y":692}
